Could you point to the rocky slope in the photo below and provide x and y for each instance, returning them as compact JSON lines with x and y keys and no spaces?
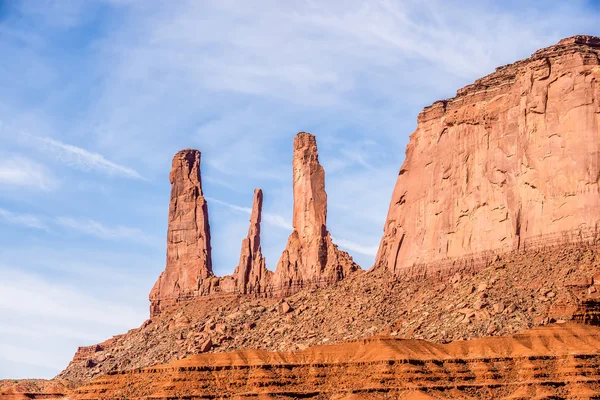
{"x":556,"y":361}
{"x":510,"y":162}
{"x":513,"y":293}
{"x":33,"y":389}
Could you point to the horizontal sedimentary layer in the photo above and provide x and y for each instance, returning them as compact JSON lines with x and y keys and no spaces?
{"x":557,"y":358}
{"x":515,"y":291}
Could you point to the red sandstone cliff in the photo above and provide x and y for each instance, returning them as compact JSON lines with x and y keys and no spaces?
{"x":511,"y":161}
{"x":310,"y":257}
{"x":189,"y":263}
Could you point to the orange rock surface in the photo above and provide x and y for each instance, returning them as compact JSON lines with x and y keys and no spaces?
{"x":26,"y":389}
{"x":555,"y":361}
{"x":189,"y":262}
{"x":310,"y":257}
{"x":516,"y":292}
{"x":251,"y":273}
{"x":510,"y":162}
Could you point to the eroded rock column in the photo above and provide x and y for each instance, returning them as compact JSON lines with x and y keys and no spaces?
{"x":251,"y":273}
{"x":310,"y":257}
{"x":189,"y":263}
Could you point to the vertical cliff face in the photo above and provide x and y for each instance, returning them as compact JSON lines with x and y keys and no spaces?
{"x":189,"y":263}
{"x":512,"y":161}
{"x":251,"y":273}
{"x":310,"y":257}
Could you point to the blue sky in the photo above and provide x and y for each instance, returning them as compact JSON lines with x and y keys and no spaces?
{"x":97,"y":96}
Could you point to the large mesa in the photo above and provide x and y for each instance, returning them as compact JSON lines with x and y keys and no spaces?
{"x":510,"y":163}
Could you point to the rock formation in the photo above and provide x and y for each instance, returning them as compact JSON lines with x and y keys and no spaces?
{"x":555,"y":361}
{"x":515,"y":292}
{"x":511,"y":162}
{"x":310,"y":257}
{"x":28,"y":389}
{"x":189,"y":263}
{"x":251,"y":273}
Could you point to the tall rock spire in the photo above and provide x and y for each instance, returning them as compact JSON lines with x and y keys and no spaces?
{"x":251,"y":273}
{"x":189,"y":263}
{"x":310,"y":257}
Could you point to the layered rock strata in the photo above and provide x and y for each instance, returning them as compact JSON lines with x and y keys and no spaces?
{"x":189,"y":262}
{"x":556,"y":361}
{"x":310,"y":257}
{"x":251,"y":274}
{"x":510,"y":163}
{"x":515,"y":292}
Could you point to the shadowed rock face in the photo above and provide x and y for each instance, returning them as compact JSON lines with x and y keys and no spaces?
{"x":310,"y":257}
{"x":511,"y":162}
{"x":251,"y":273}
{"x":189,"y":262}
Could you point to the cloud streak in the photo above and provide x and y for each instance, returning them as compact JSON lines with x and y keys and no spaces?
{"x":97,"y":229}
{"x":275,"y":220}
{"x":44,"y":322}
{"x":29,"y":221}
{"x":355,"y":247}
{"x":19,"y":171}
{"x":85,"y":160}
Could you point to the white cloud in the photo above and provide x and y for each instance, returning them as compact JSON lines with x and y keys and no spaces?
{"x":30,"y":221}
{"x":97,"y":229}
{"x":84,"y":160}
{"x":44,"y":322}
{"x":273,"y":219}
{"x":19,"y":171}
{"x":356,"y":247}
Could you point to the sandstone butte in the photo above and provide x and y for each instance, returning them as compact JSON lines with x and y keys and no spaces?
{"x":310,"y":258}
{"x":510,"y":163}
{"x":492,"y":227}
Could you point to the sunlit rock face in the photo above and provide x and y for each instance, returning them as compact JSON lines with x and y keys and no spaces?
{"x":310,"y":257}
{"x":189,"y":263}
{"x":512,"y":161}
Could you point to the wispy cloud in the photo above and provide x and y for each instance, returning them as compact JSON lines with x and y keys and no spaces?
{"x":94,"y":228}
{"x":356,"y":247}
{"x":19,"y":171}
{"x":43,"y":322}
{"x":30,"y":221}
{"x":270,"y":218}
{"x":85,"y":160}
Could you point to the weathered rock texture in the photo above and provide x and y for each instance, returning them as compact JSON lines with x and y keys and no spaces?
{"x":556,"y":361}
{"x":252,"y":276}
{"x":27,"y":389}
{"x":310,"y":257}
{"x":517,"y":291}
{"x":189,"y":263}
{"x":511,"y":162}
